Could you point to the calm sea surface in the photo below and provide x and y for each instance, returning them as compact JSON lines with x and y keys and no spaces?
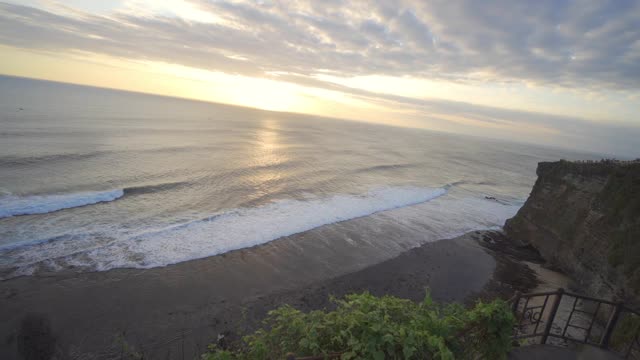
{"x":94,"y":179}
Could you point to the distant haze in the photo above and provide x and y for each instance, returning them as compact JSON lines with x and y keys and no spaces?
{"x":551,"y":72}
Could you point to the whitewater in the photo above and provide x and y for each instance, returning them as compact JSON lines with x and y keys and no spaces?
{"x":42,"y":204}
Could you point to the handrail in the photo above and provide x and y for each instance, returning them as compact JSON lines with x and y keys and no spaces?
{"x":584,"y":297}
{"x":532,"y":314}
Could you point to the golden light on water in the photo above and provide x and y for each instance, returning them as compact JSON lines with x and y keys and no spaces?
{"x":266,"y":155}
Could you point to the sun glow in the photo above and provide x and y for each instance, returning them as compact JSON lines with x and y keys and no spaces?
{"x":241,"y":90}
{"x":187,"y":82}
{"x":160,"y":78}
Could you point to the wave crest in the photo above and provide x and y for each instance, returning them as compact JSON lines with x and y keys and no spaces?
{"x":12,"y":205}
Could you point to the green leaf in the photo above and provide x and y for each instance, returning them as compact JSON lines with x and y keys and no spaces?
{"x":362,"y":326}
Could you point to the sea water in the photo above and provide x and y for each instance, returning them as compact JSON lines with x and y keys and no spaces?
{"x":95,"y":179}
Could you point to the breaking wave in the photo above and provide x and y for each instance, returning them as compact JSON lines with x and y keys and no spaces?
{"x":12,"y":205}
{"x":219,"y":233}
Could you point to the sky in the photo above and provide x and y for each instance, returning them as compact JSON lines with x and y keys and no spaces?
{"x":560,"y":73}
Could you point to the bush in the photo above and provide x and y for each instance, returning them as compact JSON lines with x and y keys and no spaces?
{"x":367,"y":327}
{"x":625,"y":331}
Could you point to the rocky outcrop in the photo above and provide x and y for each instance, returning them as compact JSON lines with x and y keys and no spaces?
{"x":584,"y":218}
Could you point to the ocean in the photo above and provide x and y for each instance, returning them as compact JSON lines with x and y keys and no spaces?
{"x":95,"y":179}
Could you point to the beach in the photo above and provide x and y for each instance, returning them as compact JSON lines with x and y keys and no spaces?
{"x":184,"y":307}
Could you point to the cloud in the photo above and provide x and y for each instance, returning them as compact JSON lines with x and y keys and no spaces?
{"x":497,"y":123}
{"x":589,"y":45}
{"x":594,"y":44}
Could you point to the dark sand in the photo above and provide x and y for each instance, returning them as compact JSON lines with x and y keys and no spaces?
{"x":175,"y":311}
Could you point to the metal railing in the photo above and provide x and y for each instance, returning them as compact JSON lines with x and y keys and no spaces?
{"x":559,"y":317}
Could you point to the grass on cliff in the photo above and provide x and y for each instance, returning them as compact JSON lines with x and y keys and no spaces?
{"x":364,"y":326}
{"x":620,"y":200}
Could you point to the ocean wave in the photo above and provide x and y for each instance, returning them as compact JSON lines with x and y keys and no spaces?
{"x":147,"y":189}
{"x":18,"y":161}
{"x":34,"y":243}
{"x":247,"y":227}
{"x":219,"y":233}
{"x":12,"y":205}
{"x":390,"y":167}
{"x":25,"y":161}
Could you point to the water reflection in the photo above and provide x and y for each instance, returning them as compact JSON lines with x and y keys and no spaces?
{"x":267,"y":157}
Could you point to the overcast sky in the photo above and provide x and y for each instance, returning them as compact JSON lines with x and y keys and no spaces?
{"x":563,"y":73}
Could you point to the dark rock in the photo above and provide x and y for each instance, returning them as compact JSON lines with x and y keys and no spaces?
{"x":584,"y":218}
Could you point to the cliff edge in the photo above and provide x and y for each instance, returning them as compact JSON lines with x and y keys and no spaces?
{"x":584,"y":218}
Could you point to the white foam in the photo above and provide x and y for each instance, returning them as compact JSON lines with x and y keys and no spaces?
{"x":231,"y":230}
{"x":11,"y":205}
{"x":247,"y":227}
{"x":451,"y":216}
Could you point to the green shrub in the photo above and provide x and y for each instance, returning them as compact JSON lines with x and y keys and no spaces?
{"x":367,"y":327}
{"x":623,"y":334}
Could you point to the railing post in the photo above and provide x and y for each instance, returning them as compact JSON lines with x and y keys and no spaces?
{"x":611,"y":324}
{"x":552,"y":315}
{"x":516,"y":302}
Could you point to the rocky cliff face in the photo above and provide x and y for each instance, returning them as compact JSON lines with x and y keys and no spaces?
{"x":584,"y":218}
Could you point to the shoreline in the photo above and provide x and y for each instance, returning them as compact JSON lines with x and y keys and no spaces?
{"x":187,"y":306}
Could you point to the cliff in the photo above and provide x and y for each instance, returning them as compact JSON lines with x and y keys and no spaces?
{"x":584,"y":218}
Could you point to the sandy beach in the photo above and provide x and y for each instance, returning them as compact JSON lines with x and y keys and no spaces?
{"x":170,"y":311}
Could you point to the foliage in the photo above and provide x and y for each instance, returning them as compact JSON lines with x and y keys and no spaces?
{"x":620,"y":202}
{"x":367,"y":327}
{"x":624,"y":333}
{"x":126,"y":350}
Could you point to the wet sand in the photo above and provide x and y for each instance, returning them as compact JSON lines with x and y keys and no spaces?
{"x":175,"y":311}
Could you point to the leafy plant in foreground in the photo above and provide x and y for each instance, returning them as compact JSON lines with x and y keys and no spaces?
{"x":364,"y":326}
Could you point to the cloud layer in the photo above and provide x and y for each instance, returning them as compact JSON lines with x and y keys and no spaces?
{"x":594,"y":44}
{"x":585,"y":45}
